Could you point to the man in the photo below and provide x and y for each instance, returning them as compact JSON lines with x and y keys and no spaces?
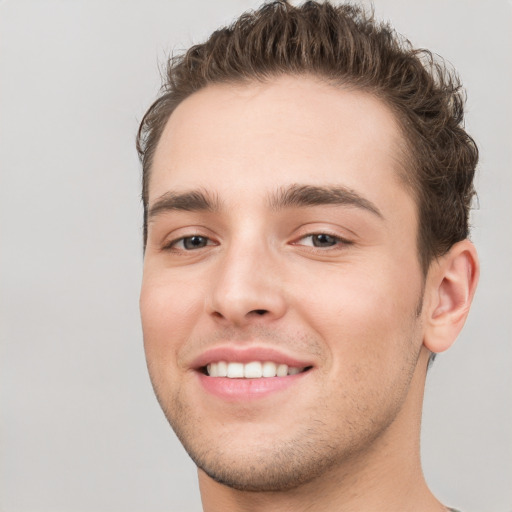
{"x":306,"y":186}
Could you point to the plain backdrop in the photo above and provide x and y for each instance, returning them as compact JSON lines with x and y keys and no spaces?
{"x":80,"y":428}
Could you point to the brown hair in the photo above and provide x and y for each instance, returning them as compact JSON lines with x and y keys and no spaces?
{"x":343,"y":45}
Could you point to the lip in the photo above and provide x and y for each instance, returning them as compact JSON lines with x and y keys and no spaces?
{"x":247,"y":355}
{"x":244,"y":390}
{"x":236,"y":390}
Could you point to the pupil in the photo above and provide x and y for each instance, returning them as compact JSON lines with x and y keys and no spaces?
{"x":323,"y":240}
{"x":194,"y":242}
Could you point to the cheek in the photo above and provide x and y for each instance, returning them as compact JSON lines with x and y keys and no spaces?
{"x":367,"y":319}
{"x":372,"y":338}
{"x":169,"y":311}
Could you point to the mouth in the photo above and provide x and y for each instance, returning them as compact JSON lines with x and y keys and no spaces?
{"x":251,"y":370}
{"x":237,"y":374}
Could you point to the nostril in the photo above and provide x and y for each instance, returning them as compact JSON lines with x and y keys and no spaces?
{"x":260,"y":311}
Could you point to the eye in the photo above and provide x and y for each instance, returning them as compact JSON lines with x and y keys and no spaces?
{"x":190,"y":243}
{"x":321,"y":240}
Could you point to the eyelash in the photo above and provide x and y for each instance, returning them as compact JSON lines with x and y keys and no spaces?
{"x":171,"y":246}
{"x":337,"y":242}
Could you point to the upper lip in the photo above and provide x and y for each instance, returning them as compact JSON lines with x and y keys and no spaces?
{"x":247,"y":355}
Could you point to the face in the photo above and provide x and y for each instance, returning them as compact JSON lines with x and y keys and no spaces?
{"x":282,"y":287}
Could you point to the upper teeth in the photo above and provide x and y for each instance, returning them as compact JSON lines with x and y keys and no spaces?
{"x":253,"y":370}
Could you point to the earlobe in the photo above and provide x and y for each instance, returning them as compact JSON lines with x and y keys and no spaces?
{"x":451,"y":286}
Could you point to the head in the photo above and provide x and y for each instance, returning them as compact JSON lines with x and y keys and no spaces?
{"x":306,"y":187}
{"x":343,"y":46}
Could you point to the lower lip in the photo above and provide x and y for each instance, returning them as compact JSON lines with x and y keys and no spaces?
{"x":247,"y":389}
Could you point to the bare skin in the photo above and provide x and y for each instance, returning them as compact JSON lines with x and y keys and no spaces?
{"x":279,"y":229}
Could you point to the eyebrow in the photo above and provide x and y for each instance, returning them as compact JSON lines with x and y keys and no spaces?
{"x":194,"y":200}
{"x":293,"y":196}
{"x":310,"y":195}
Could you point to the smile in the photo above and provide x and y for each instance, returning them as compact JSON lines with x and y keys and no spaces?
{"x":251,"y":370}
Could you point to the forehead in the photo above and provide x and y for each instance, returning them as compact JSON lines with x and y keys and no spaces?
{"x":288,"y":130}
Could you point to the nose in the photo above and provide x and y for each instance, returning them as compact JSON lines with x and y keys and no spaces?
{"x":246,"y":288}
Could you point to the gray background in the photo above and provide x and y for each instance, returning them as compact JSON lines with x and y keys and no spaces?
{"x":80,"y":428}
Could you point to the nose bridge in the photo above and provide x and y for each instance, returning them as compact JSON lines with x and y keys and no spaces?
{"x":247,"y":286}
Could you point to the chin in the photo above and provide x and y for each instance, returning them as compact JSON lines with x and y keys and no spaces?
{"x":270,"y":461}
{"x":283,"y":470}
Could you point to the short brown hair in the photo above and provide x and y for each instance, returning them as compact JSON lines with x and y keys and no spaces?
{"x":343,"y":45}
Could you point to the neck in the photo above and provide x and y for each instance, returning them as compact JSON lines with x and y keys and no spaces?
{"x":386,"y":477}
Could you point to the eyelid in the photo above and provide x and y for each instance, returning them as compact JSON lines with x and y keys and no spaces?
{"x":170,"y":245}
{"x":341,"y":241}
{"x":336,"y":237}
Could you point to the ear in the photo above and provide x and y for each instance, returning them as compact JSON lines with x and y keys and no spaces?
{"x":451,"y":285}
